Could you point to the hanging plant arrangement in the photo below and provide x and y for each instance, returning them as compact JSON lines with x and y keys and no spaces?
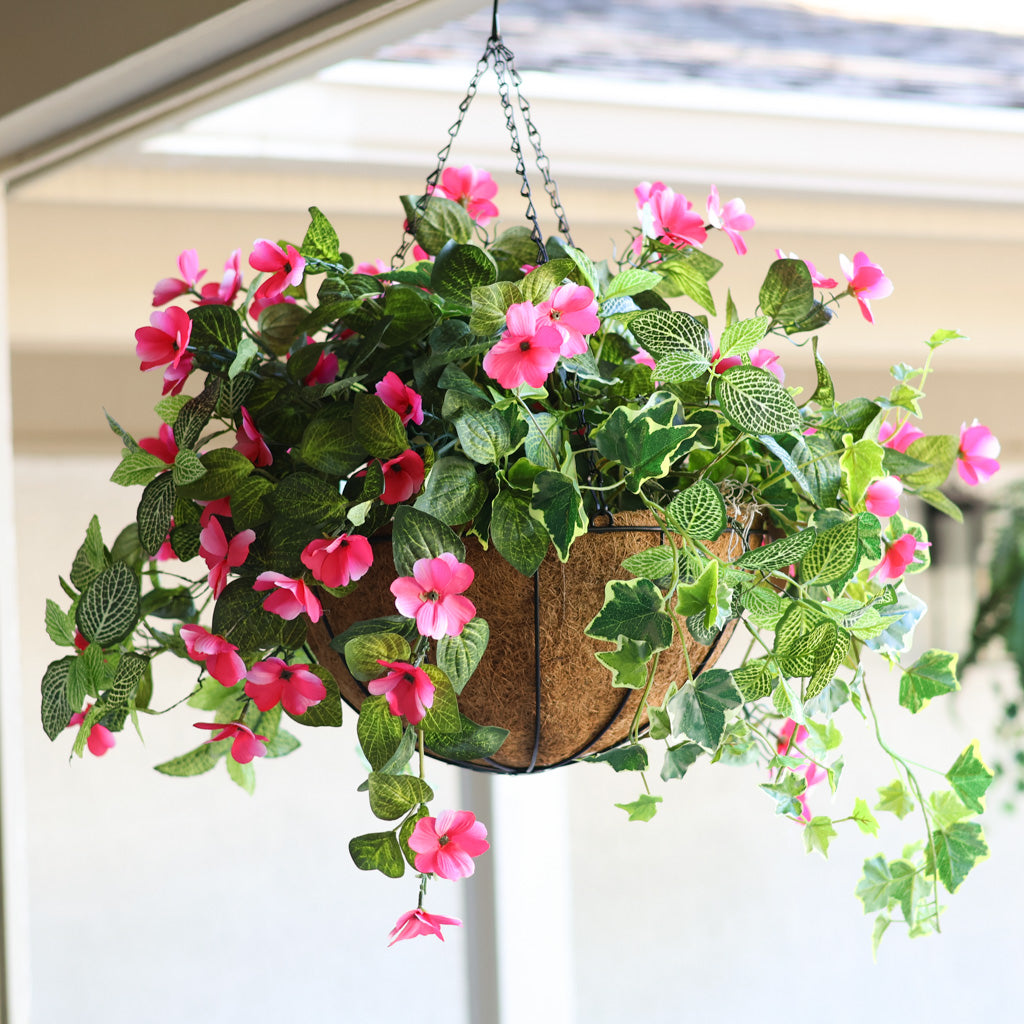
{"x":509,"y":503}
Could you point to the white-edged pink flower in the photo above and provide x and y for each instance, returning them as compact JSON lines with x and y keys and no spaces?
{"x":419,"y":922}
{"x":272,"y":681}
{"x":446,"y":845}
{"x":100,"y":739}
{"x":400,"y":398}
{"x":219,"y":655}
{"x":866,"y":281}
{"x":224,"y":292}
{"x":245,"y":743}
{"x":249,"y":441}
{"x":473,"y":188}
{"x":222,"y":555}
{"x":976,"y":458}
{"x":572,"y":311}
{"x":668,"y":216}
{"x":335,"y":563}
{"x":882,"y":497}
{"x":290,"y":598}
{"x":432,"y":595}
{"x":166,"y":338}
{"x":408,"y":690}
{"x":526,"y":352}
{"x":171,"y":287}
{"x":731,"y":218}
{"x":285,"y":267}
{"x":898,"y":555}
{"x":763,"y":357}
{"x":898,"y":438}
{"x":818,"y":280}
{"x":403,"y":477}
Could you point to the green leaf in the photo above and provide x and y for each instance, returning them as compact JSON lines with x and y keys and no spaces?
{"x":631,"y":758}
{"x":248,"y":507}
{"x":302,"y":498}
{"x":632,"y":610}
{"x":970,"y":777}
{"x":239,"y":617}
{"x":558,"y":505}
{"x":196,"y":413}
{"x":627,"y":663}
{"x":652,"y":563}
{"x":679,"y":759}
{"x":946,"y":809}
{"x":247,"y":353}
{"x":940,"y":452}
{"x":454,"y":492}
{"x":787,"y":294}
{"x":91,"y":558}
{"x":754,"y":680}
{"x":743,"y":335}
{"x":378,"y":428}
{"x":442,"y":719}
{"x":224,"y":469}
{"x":861,"y":464}
{"x":459,"y":656}
{"x":137,"y":467}
{"x":543,"y":440}
{"x":682,"y":276}
{"x":321,"y":241}
{"x":753,"y":400}
{"x":326,"y":714}
{"x":932,"y":675}
{"x":701,"y":596}
{"x":195,"y":762}
{"x":156,"y":507}
{"x":539,"y":283}
{"x":643,"y":808}
{"x":679,"y":343}
{"x":834,"y":555}
{"x":364,"y":653}
{"x":473,"y":742}
{"x":698,"y":710}
{"x":330,"y":442}
{"x":243,"y":775}
{"x":818,"y":833}
{"x":490,"y":305}
{"x":59,"y":625}
{"x":785,"y":793}
{"x":866,"y":821}
{"x":896,"y":799}
{"x":698,"y":511}
{"x":878,"y":885}
{"x":780,"y":553}
{"x":459,"y":269}
{"x":379,"y":731}
{"x":958,"y":848}
{"x":441,"y":220}
{"x":130,"y":670}
{"x":519,"y":538}
{"x":378,"y":851}
{"x":169,"y":407}
{"x":484,"y":435}
{"x":56,"y":707}
{"x":391,"y":796}
{"x":110,"y":606}
{"x":629,"y":282}
{"x":825,"y":392}
{"x":415,"y":535}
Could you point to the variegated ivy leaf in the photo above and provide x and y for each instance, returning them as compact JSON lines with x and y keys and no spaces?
{"x":627,"y":663}
{"x":970,"y":778}
{"x":861,"y":464}
{"x":753,"y":400}
{"x":701,"y":597}
{"x":954,"y":850}
{"x":698,"y":710}
{"x":633,"y":609}
{"x":698,"y":511}
{"x":743,"y":335}
{"x":558,"y":505}
{"x":932,"y":675}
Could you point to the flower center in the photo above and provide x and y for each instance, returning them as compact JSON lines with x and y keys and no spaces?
{"x":555,"y":314}
{"x":524,"y":346}
{"x":443,"y":840}
{"x":430,"y":595}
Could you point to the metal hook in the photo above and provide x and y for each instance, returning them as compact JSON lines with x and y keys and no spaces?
{"x":495,"y":27}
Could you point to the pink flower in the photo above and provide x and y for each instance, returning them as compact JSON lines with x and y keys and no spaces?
{"x":222,"y":555}
{"x":408,"y":689}
{"x":668,"y":216}
{"x":816,"y":279}
{"x":976,"y":459}
{"x":163,"y":446}
{"x":377,"y":266}
{"x":526,"y":352}
{"x":473,"y":188}
{"x":290,"y":597}
{"x":223,"y":294}
{"x":403,"y":477}
{"x":898,"y":438}
{"x":883,"y":496}
{"x":789,"y":735}
{"x":446,"y":845}
{"x":419,"y":253}
{"x":326,"y":369}
{"x":572,"y":311}
{"x":260,"y":302}
{"x":644,"y":358}
{"x":786,"y":735}
{"x":401,"y":398}
{"x":285,"y":268}
{"x":220,"y":507}
{"x":170,"y":287}
{"x":165,"y":340}
{"x":335,"y":563}
{"x":249,"y":441}
{"x":100,"y":740}
{"x":274,"y":681}
{"x":221,"y":657}
{"x":898,"y":555}
{"x":866,"y":281}
{"x":165,"y":553}
{"x":246,"y":745}
{"x":731,"y":218}
{"x":432,"y":595}
{"x":176,"y":374}
{"x":763,"y":357}
{"x":419,"y":922}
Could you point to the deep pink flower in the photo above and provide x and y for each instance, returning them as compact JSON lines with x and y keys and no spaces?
{"x":731,"y":218}
{"x":898,"y":438}
{"x":419,"y":922}
{"x":290,"y":597}
{"x":274,"y":681}
{"x":644,"y":358}
{"x":163,"y":446}
{"x":786,"y":735}
{"x":976,"y":460}
{"x":249,"y":441}
{"x":81,"y":644}
{"x":221,"y":657}
{"x":401,"y":398}
{"x":816,"y":279}
{"x":866,"y":281}
{"x":789,"y":735}
{"x":882,"y":497}
{"x":285,"y":268}
{"x":166,"y":553}
{"x":223,"y":294}
{"x":326,"y":369}
{"x":473,"y":188}
{"x":171,"y":287}
{"x":377,"y":266}
{"x":222,"y":555}
{"x":246,"y":745}
{"x":898,"y":555}
{"x":446,"y":845}
{"x":419,"y":253}
{"x":219,"y":507}
{"x":526,"y":353}
{"x":335,"y":563}
{"x":260,"y":302}
{"x":408,"y":689}
{"x":176,"y":374}
{"x":572,"y":311}
{"x":432,"y":595}
{"x":165,"y":340}
{"x":403,"y":477}
{"x":100,"y":740}
{"x":763,"y":357}
{"x":667,"y":216}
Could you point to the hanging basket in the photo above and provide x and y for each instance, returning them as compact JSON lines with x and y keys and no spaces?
{"x":539,"y":678}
